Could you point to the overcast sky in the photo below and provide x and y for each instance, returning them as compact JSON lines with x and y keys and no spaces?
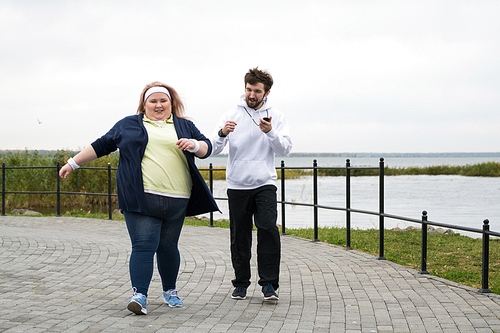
{"x":350,"y":76}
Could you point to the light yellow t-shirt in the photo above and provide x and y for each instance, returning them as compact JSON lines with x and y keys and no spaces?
{"x":165,"y":169}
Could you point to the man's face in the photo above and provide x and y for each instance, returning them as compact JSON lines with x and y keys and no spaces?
{"x":254,"y":95}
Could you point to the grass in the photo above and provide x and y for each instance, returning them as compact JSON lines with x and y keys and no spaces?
{"x":454,"y":257}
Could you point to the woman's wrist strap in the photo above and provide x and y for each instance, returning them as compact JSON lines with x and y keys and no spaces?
{"x":196,"y":146}
{"x":72,"y":163}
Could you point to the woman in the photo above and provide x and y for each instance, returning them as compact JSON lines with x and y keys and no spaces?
{"x":158,"y":184}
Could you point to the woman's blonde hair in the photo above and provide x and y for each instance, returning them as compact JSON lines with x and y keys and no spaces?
{"x":177,"y":106}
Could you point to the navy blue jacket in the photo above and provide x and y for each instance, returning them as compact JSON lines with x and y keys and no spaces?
{"x":130,"y":136}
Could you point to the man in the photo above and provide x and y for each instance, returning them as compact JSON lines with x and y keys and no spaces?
{"x":255,"y":131}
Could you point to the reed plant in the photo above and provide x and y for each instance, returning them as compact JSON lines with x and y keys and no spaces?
{"x":218,"y":173}
{"x":487,"y":169}
{"x":42,"y":177}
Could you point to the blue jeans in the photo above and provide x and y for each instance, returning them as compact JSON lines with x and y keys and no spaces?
{"x":156,"y":231}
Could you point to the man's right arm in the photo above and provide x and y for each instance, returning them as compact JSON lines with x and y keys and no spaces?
{"x":218,"y":142}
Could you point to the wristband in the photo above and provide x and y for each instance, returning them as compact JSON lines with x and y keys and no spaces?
{"x":196,"y":146}
{"x":72,"y":163}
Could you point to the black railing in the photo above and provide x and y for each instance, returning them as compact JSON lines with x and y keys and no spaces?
{"x":58,"y":191}
{"x":485,"y":231}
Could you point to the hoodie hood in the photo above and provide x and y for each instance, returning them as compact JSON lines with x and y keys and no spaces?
{"x":251,"y":161}
{"x":264,"y":107}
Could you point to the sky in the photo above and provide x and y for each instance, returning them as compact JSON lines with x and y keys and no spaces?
{"x":350,"y":76}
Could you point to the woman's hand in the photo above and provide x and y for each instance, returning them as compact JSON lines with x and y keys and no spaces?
{"x":185,"y":144}
{"x":85,"y":156}
{"x":191,"y":144}
{"x":65,"y":171}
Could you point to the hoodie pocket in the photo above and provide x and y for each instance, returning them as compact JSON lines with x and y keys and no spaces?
{"x":249,"y":173}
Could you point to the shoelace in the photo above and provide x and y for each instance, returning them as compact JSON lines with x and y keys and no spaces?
{"x":136,"y":294}
{"x":240,"y":289}
{"x":173,"y":293}
{"x":269,"y":288}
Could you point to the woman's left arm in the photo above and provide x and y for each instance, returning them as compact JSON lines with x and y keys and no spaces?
{"x":193,"y":140}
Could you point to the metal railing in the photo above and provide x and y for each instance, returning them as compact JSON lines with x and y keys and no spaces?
{"x":485,"y":231}
{"x":58,"y":191}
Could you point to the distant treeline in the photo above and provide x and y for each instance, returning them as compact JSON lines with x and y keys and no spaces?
{"x":313,"y":155}
{"x":487,"y":169}
{"x":95,"y":181}
{"x":386,"y":155}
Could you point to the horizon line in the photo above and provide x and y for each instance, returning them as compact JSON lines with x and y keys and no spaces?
{"x":323,"y":154}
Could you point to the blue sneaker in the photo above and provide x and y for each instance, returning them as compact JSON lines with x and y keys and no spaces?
{"x":171,"y":297}
{"x":138,"y":304}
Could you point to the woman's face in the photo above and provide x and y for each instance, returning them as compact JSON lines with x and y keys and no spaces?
{"x":158,"y":106}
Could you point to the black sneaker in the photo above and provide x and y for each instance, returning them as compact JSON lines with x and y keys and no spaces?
{"x":239,"y":293}
{"x":269,"y":293}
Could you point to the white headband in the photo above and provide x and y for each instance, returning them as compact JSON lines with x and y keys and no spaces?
{"x":153,"y":90}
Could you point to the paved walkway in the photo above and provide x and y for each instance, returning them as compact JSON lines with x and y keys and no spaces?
{"x":71,"y":275}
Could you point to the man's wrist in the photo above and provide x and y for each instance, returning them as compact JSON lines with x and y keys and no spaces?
{"x":221,"y":134}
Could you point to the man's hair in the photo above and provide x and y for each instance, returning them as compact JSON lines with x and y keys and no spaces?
{"x":255,"y":75}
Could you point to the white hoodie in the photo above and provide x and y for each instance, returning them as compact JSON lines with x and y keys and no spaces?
{"x":251,"y":151}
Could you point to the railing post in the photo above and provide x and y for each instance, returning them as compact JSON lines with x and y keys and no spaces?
{"x":110,"y":212}
{"x":211,"y":184}
{"x":283,"y":227}
{"x":381,"y":210}
{"x":58,"y":191}
{"x":423,"y":259}
{"x":3,"y":189}
{"x":315,"y":198}
{"x":486,"y":257}
{"x":348,"y":203}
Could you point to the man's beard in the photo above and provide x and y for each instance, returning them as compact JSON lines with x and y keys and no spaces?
{"x":255,"y":103}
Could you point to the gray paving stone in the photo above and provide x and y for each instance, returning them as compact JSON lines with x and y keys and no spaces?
{"x":71,"y":275}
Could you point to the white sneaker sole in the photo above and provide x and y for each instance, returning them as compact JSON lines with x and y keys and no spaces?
{"x":136,"y":308}
{"x":174,"y":306}
{"x":271,"y":298}
{"x":238,"y":297}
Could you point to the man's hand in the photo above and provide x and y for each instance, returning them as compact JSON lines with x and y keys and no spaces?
{"x":265,"y":126}
{"x":229,"y":127}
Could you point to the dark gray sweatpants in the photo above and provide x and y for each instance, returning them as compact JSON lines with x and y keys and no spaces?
{"x":261,"y":204}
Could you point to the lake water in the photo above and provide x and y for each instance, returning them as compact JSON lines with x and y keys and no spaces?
{"x":454,"y":200}
{"x":393,"y":162}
